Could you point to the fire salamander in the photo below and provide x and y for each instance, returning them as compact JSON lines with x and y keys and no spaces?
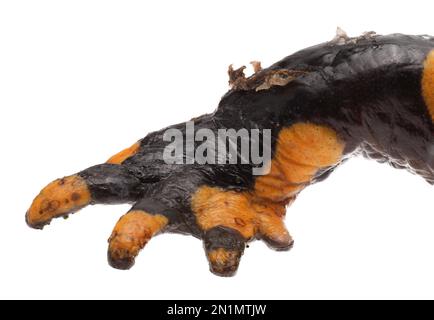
{"x":371,"y":95}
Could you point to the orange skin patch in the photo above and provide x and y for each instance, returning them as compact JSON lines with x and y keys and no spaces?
{"x":124,"y":154}
{"x":59,"y":198}
{"x":214,"y":207}
{"x":428,"y":83}
{"x":132,"y":232}
{"x":275,"y":186}
{"x":241,"y":211}
{"x":301,"y":151}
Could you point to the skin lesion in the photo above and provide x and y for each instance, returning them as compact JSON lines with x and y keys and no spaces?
{"x":60,"y":197}
{"x":428,"y":83}
{"x":262,"y":79}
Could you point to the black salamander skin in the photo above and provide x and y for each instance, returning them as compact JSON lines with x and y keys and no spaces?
{"x":368,"y":91}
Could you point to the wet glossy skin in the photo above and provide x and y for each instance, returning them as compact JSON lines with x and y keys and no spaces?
{"x":363,"y":96}
{"x":369,"y":92}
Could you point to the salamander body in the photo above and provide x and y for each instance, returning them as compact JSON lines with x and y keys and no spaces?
{"x":371,"y":95}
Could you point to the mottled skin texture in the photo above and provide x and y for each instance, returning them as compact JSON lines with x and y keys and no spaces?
{"x":361,"y":95}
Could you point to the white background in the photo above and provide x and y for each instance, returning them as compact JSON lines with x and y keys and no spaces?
{"x":81,"y":80}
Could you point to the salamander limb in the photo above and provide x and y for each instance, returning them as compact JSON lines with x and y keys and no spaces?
{"x":371,"y":95}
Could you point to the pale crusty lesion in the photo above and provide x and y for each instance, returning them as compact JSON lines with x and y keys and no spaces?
{"x":342,"y":37}
{"x":256,"y":66}
{"x":279,"y":77}
{"x":262,"y":79}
